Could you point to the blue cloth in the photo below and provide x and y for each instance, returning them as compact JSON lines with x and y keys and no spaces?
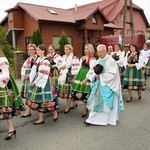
{"x":102,"y":95}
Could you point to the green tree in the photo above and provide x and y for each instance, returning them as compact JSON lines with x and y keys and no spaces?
{"x":37,"y":37}
{"x":62,"y":42}
{"x":7,"y":48}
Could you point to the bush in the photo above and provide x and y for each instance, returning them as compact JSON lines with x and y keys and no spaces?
{"x":7,"y":48}
{"x":62,"y":42}
{"x":37,"y":38}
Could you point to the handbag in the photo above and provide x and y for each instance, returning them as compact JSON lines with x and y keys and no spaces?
{"x":69,"y":76}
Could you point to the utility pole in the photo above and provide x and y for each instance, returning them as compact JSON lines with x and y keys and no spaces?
{"x":131,"y":22}
{"x":124,"y":22}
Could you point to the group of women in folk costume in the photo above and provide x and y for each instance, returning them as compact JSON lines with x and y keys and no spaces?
{"x":10,"y":101}
{"x":53,"y":76}
{"x":47,"y":77}
{"x":54,"y":60}
{"x":131,"y":64}
{"x":40,"y":95}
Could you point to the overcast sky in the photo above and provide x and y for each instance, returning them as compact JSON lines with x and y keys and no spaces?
{"x":7,"y":4}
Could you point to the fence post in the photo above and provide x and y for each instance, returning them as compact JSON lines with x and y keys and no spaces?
{"x":18,"y":62}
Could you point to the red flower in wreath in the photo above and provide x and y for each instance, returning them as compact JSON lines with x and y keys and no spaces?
{"x":34,"y":106}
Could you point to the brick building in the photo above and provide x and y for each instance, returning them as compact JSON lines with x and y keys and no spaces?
{"x":81,"y":24}
{"x":86,"y":23}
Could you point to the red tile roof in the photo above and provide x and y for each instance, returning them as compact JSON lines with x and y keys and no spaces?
{"x":41,"y":13}
{"x":108,"y":8}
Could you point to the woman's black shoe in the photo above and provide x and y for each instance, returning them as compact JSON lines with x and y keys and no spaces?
{"x":22,"y":108}
{"x":37,"y":123}
{"x":84,"y":115}
{"x":24,"y":116}
{"x":139,"y":97}
{"x":10,"y":134}
{"x":129,"y":100}
{"x":65,"y":112}
{"x":76,"y":105}
{"x":55,"y":119}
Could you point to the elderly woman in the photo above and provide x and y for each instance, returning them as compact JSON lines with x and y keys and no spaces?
{"x":110,"y":50}
{"x":10,"y":100}
{"x":25,"y":71}
{"x":117,"y":52}
{"x":68,"y":69}
{"x":82,"y":81}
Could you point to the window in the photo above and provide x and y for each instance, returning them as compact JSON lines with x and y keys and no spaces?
{"x":52,"y":11}
{"x":140,"y":32}
{"x":129,"y":31}
{"x":94,"y":19}
{"x":10,"y":16}
{"x":27,"y":41}
{"x":55,"y":41}
{"x":121,"y":17}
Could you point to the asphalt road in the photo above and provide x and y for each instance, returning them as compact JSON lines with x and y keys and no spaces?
{"x":132,"y":132}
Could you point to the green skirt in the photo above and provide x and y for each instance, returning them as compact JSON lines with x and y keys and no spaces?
{"x":10,"y":100}
{"x":24,"y":88}
{"x":41,"y":99}
{"x":134,"y":79}
{"x":77,"y":85}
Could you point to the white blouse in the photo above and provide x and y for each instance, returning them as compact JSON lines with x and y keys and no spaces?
{"x":40,"y":76}
{"x":4,"y":71}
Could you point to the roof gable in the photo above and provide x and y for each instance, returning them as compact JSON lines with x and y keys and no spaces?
{"x":81,"y":15}
{"x":110,"y":8}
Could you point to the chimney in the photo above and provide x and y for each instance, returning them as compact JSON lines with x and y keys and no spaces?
{"x":75,"y":8}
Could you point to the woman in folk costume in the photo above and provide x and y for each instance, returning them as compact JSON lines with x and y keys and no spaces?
{"x":10,"y":102}
{"x":25,"y":71}
{"x":117,"y":52}
{"x":110,"y":50}
{"x":122,"y":59}
{"x":68,"y":69}
{"x":82,"y":82}
{"x":134,"y":77}
{"x":145,"y":58}
{"x":40,"y":97}
{"x":55,"y":63}
{"x":105,"y":100}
